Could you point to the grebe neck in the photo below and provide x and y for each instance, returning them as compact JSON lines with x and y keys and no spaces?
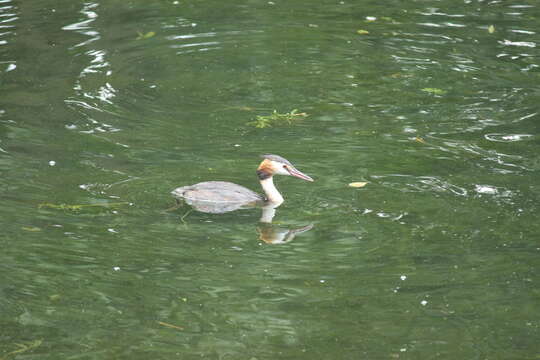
{"x":272,"y":194}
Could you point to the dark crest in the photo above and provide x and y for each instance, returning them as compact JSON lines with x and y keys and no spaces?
{"x":276,"y":158}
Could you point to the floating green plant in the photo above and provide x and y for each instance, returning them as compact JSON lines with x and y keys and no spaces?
{"x":264,"y":121}
{"x":434,"y":91}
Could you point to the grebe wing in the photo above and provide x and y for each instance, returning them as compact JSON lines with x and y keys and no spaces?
{"x":217,"y":196}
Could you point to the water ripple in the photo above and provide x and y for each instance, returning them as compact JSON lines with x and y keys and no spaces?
{"x":410,"y":183}
{"x":90,"y":99}
{"x":507,"y":137}
{"x":8,"y":15}
{"x":489,"y":158}
{"x":517,"y":43}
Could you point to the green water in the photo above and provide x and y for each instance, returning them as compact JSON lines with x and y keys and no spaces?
{"x":110,"y":105}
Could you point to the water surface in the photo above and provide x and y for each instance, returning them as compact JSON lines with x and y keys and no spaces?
{"x":107,"y":106}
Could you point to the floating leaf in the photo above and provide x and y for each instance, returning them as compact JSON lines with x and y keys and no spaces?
{"x":170,"y":325}
{"x":491,"y":29}
{"x":434,"y":91}
{"x":358,"y":184}
{"x":31,"y":228}
{"x":420,"y":140}
{"x":148,"y":35}
{"x":362,"y":32}
{"x":400,"y":75}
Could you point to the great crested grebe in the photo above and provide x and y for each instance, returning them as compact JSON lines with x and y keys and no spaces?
{"x":221,"y":196}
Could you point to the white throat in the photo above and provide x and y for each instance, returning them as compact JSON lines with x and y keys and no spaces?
{"x":272,"y":194}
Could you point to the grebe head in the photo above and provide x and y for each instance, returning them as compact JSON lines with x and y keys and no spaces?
{"x":276,"y":165}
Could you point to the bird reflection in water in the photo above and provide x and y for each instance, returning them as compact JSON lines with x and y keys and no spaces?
{"x":218,"y":197}
{"x":273,"y":234}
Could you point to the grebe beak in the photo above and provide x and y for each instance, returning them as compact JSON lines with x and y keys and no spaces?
{"x":297,"y":173}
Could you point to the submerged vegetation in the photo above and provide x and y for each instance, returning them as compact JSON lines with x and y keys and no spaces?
{"x":78,"y":207}
{"x":22,"y":348}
